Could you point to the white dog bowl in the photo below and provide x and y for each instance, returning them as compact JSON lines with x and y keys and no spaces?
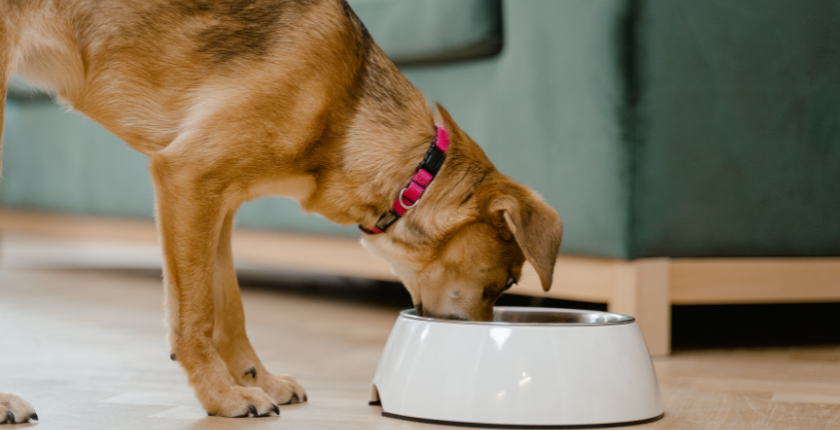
{"x":528,"y":368}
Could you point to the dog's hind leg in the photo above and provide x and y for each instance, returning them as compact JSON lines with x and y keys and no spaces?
{"x":230,"y":338}
{"x":5,"y":68}
{"x":193,"y":198}
{"x":13,"y":409}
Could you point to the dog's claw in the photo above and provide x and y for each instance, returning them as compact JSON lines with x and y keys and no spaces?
{"x":10,"y":417}
{"x":268,"y":412}
{"x":34,"y":416}
{"x":172,"y":356}
{"x":252,"y":371}
{"x":305,"y":398}
{"x":252,"y":412}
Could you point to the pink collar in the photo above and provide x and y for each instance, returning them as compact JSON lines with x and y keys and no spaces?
{"x":410,"y":195}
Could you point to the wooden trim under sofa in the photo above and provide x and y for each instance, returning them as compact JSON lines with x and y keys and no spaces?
{"x":644,"y":288}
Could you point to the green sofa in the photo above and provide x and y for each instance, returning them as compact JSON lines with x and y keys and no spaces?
{"x":655,"y":128}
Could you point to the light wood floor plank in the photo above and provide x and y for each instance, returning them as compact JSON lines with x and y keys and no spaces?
{"x":87,"y":349}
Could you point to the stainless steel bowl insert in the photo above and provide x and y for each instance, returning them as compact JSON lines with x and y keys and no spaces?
{"x":538,"y":316}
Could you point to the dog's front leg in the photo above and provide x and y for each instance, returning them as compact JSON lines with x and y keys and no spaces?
{"x":230,"y":337}
{"x":192,"y":202}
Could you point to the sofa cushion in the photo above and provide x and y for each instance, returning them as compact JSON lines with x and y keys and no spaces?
{"x":739,"y":151}
{"x":412,"y":31}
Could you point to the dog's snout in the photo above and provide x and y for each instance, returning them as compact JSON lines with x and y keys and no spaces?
{"x":418,"y":309}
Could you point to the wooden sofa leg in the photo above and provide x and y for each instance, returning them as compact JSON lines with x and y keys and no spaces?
{"x":642,"y":290}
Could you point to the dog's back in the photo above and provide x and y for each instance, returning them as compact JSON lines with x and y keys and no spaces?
{"x":139,"y":68}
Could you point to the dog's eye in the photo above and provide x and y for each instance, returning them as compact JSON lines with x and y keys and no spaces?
{"x":491,"y":292}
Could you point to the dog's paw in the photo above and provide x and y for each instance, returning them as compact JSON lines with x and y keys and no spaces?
{"x":15,"y":410}
{"x":239,"y":402}
{"x":282,"y":388}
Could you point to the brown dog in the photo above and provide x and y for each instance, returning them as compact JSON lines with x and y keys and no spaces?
{"x":236,"y":99}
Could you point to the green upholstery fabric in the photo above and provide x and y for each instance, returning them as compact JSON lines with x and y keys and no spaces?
{"x":56,"y":160}
{"x":739,"y":150}
{"x":19,"y":90}
{"x":714,"y":132}
{"x":412,"y":31}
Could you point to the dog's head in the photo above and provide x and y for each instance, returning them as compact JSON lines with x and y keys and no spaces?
{"x":466,"y":241}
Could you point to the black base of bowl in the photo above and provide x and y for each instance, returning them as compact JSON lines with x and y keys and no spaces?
{"x":518,"y":426}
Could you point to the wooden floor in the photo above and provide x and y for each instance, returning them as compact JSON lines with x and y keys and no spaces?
{"x":87,"y":349}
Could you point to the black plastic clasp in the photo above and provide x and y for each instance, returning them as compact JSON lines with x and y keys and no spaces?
{"x":433,"y":160}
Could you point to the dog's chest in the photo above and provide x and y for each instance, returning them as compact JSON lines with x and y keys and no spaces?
{"x":297,"y":187}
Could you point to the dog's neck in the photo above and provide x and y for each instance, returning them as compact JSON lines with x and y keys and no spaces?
{"x":387,"y":134}
{"x":376,"y":152}
{"x":378,"y":160}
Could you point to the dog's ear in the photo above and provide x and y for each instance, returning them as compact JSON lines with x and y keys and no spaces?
{"x":536,"y":227}
{"x":443,"y":118}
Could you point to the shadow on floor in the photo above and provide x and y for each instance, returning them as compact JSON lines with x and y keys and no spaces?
{"x":744,"y":326}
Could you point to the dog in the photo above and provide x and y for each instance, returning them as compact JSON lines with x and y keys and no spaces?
{"x":236,"y":99}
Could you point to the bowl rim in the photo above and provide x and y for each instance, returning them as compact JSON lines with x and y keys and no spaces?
{"x":621,"y":318}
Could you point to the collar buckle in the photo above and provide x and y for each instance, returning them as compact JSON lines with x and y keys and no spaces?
{"x":433,"y":160}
